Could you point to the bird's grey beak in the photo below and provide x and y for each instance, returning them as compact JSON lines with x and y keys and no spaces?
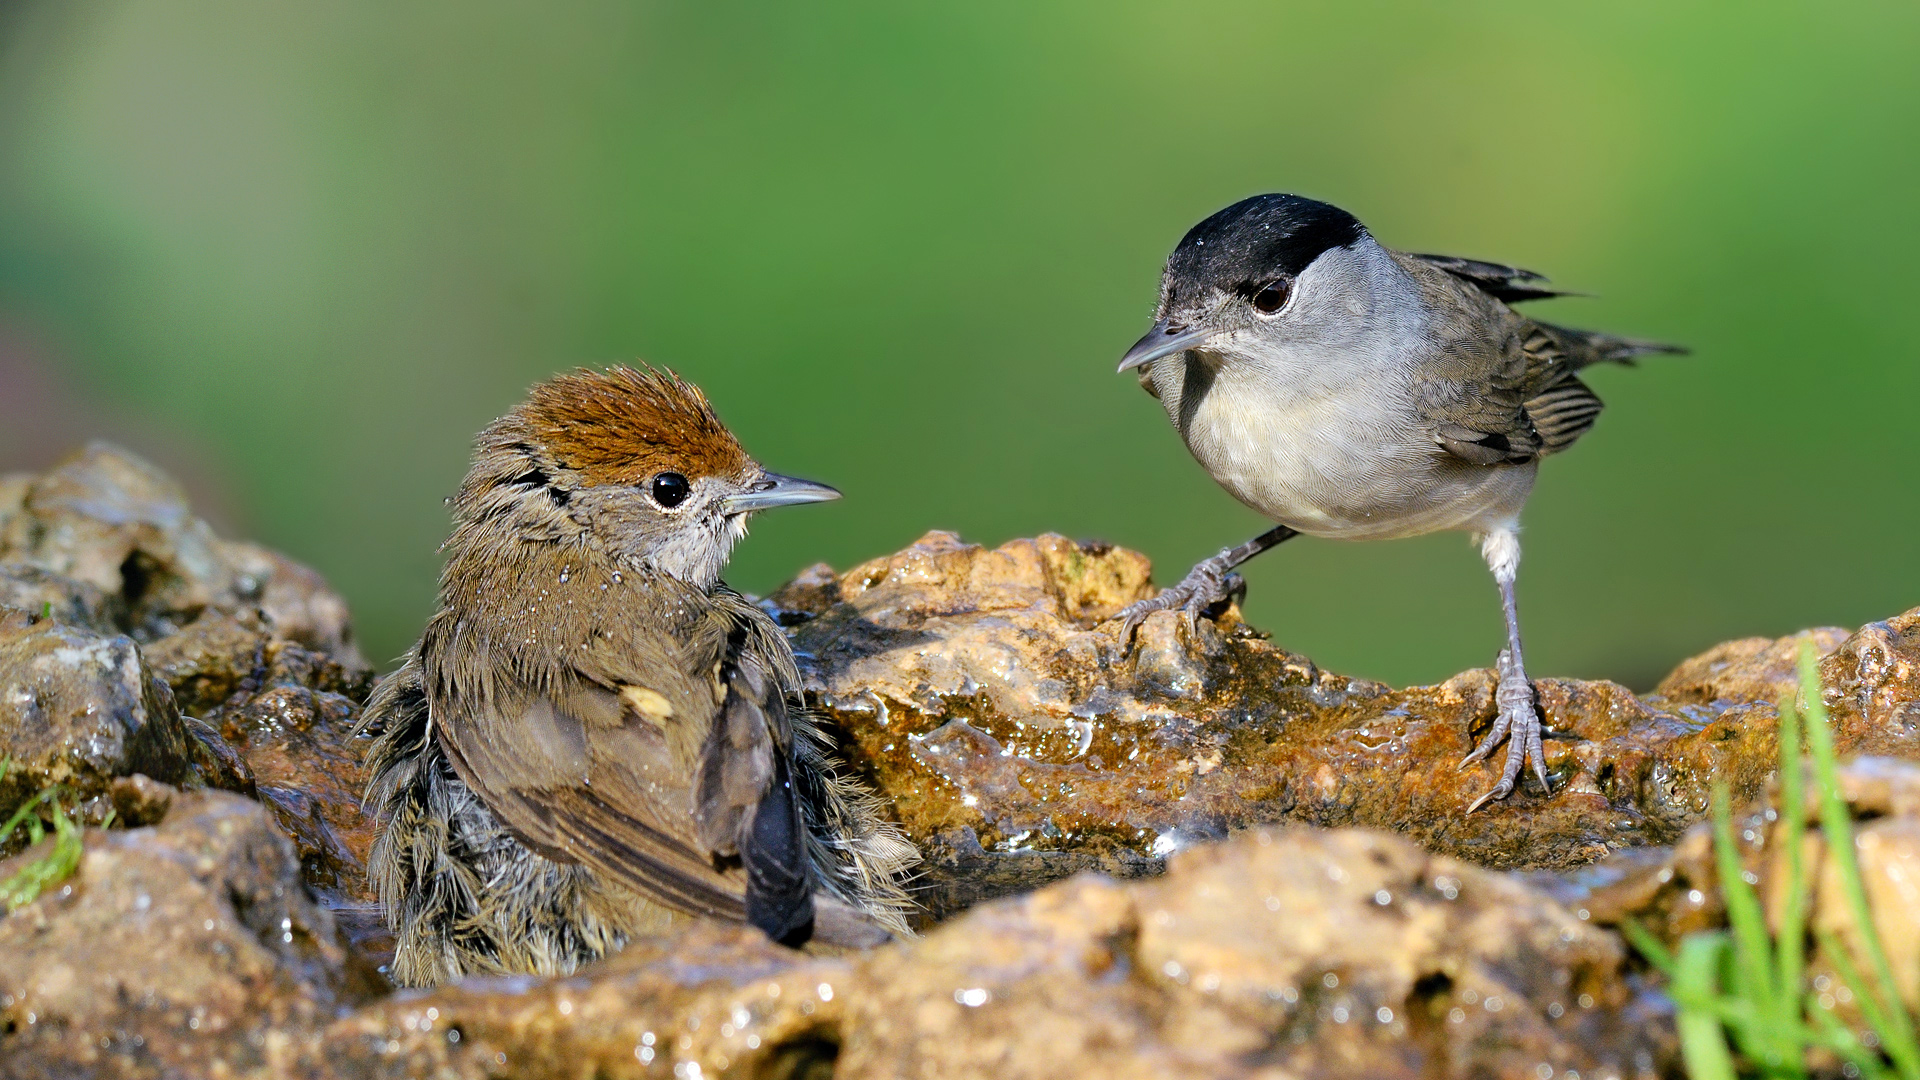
{"x":774,"y":490}
{"x":1166,"y":338}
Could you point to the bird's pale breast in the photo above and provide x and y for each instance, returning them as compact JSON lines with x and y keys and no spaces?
{"x":1342,"y":464}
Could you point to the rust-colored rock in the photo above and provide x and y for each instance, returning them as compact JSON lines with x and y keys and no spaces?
{"x":981,"y":690}
{"x":299,"y":748}
{"x":79,"y":709}
{"x":286,"y":712}
{"x":1674,"y":891}
{"x":1749,"y":669}
{"x":1871,"y":687}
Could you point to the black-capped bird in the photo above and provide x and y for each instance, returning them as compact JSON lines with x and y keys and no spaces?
{"x":1348,"y":390}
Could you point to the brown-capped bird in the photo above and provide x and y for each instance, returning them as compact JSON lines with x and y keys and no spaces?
{"x":595,"y":736}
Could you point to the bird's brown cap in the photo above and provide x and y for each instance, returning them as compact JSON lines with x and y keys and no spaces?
{"x":623,"y":425}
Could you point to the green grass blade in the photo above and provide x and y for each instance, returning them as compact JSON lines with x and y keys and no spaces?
{"x":1650,"y":947}
{"x":1863,"y":996}
{"x":49,"y":869}
{"x":1836,"y":1037}
{"x":25,"y":813}
{"x":1703,"y":1041}
{"x":1791,"y":946}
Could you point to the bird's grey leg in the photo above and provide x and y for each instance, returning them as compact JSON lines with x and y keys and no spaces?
{"x":1211,"y":581}
{"x":1518,"y":721}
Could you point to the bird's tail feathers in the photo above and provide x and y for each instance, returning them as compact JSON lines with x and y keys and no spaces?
{"x":862,"y":857}
{"x":1586,"y":347}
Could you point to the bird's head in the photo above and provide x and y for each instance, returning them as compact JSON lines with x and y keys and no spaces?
{"x":1262,"y":270}
{"x":632,"y":458}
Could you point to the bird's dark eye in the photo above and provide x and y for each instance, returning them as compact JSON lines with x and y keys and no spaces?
{"x":670,"y":489}
{"x":1271,"y":297}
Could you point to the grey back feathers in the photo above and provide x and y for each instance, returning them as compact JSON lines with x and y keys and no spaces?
{"x":1507,"y":284}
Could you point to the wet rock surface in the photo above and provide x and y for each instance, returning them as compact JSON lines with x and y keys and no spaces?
{"x":135,"y":641}
{"x":1378,"y":960}
{"x":146,"y":663}
{"x":287,"y":714}
{"x":1017,"y":738}
{"x":1673,"y":891}
{"x":78,"y":709}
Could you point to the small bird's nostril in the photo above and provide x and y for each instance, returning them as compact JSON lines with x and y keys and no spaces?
{"x":1175,"y":328}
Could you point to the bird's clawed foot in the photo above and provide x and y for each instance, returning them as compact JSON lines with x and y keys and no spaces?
{"x":1519,"y":724}
{"x":1207,"y":588}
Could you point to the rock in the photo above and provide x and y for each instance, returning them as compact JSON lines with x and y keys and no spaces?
{"x":299,"y":748}
{"x":286,"y":715}
{"x":719,"y":995}
{"x":1747,"y":670}
{"x":1674,"y":891}
{"x":208,"y":661}
{"x":1889,"y":855}
{"x":1671,"y":890}
{"x":49,"y":596}
{"x":1883,"y":795}
{"x":121,"y":531}
{"x":1871,"y":687}
{"x":186,"y":949}
{"x":111,"y":521}
{"x":141,"y":800}
{"x":298,"y":604}
{"x":79,"y":708}
{"x":1296,"y":953}
{"x":145,"y":643}
{"x":982,"y":693}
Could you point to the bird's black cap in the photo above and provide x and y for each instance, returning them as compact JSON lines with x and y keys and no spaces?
{"x":1254,"y":241}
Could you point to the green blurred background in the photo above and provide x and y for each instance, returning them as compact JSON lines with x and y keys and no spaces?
{"x":299,"y":253}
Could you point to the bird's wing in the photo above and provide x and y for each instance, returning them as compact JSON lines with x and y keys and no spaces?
{"x":1503,"y":389}
{"x":580,"y":770}
{"x":656,"y":758}
{"x":1473,"y":393}
{"x":1507,"y":284}
{"x":744,"y":799}
{"x":1506,"y":400}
